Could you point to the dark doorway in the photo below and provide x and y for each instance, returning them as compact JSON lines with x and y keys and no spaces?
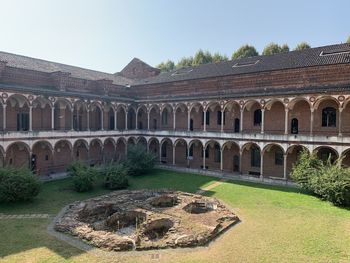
{"x":191,"y":124}
{"x":236,"y":163}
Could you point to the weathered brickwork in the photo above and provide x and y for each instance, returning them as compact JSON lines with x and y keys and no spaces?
{"x":252,"y":123}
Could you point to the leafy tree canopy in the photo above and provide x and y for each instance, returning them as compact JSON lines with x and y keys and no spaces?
{"x":202,"y":57}
{"x":217,"y":57}
{"x":184,"y":62}
{"x":166,"y":66}
{"x":244,"y":52}
{"x":274,"y":48}
{"x":302,"y":45}
{"x":348,"y":41}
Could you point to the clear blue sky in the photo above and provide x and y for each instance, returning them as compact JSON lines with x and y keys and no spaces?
{"x":106,"y":34}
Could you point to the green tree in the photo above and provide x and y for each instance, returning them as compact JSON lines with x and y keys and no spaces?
{"x":184,"y":62}
{"x":274,"y":48}
{"x":245,"y":51}
{"x":302,"y":45}
{"x":202,"y":57}
{"x":217,"y":57}
{"x":348,"y":41}
{"x":166,"y":66}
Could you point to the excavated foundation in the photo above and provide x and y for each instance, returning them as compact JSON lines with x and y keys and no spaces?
{"x":144,"y":219}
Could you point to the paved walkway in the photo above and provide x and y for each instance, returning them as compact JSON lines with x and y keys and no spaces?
{"x":24,"y":216}
{"x":211,"y":186}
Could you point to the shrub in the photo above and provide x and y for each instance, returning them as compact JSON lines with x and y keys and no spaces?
{"x":139,"y":161}
{"x":18,"y":185}
{"x":84,"y":176}
{"x":329,"y":181}
{"x":116,"y":177}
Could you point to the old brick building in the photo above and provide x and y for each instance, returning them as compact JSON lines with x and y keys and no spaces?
{"x":250,"y":116}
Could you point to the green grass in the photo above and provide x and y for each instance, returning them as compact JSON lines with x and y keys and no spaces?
{"x":278,"y":225}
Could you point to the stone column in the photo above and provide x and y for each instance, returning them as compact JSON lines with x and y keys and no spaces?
{"x":53,"y":118}
{"x":160,"y":119}
{"x":188,"y":156}
{"x":30,"y":118}
{"x":148,"y":115}
{"x":136,"y":120}
{"x":102,"y":121}
{"x":4,"y":117}
{"x":174,"y":120}
{"x":221,"y":160}
{"x":261,"y":165}
{"x":285,"y":166}
{"x":88,"y":120}
{"x":72,"y":119}
{"x":115,"y":120}
{"x":160,"y":153}
{"x":286,"y":111}
{"x":205,"y":120}
{"x":340,"y":133}
{"x":204,"y":157}
{"x":188,"y":119}
{"x":222,"y":120}
{"x":174,"y":150}
{"x":241,"y":121}
{"x":311,"y":121}
{"x":126,"y":120}
{"x":262,"y":120}
{"x":240,"y":161}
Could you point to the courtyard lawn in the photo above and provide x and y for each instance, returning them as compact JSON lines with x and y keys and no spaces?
{"x":278,"y":225}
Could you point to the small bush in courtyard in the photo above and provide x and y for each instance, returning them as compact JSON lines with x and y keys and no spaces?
{"x":329,"y":181}
{"x":116,"y":177}
{"x":18,"y":185}
{"x":84,"y":176}
{"x":139,"y":161}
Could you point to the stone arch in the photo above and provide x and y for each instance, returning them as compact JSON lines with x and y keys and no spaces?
{"x":167,"y":117}
{"x":231,"y":157}
{"x":18,"y":155}
{"x":121,"y":115}
{"x":195,"y":154}
{"x":299,"y":116}
{"x":108,"y":116}
{"x":166,"y":151}
{"x":142,"y":142}
{"x":214,"y":112}
{"x":249,"y":109}
{"x":293,"y":154}
{"x":181,"y":111}
{"x":42,"y":158}
{"x":80,"y":114}
{"x":42,"y":114}
{"x":325,"y":152}
{"x":273,"y":164}
{"x":196,"y":117}
{"x":321,"y":126}
{"x":109,"y":150}
{"x":17,"y":113}
{"x":154,"y":117}
{"x":81,"y":151}
{"x":142,"y":117}
{"x":345,"y":155}
{"x":251,"y":159}
{"x":153,"y":147}
{"x":131,"y":118}
{"x":274,"y":122}
{"x":62,"y":155}
{"x":180,"y":152}
{"x":232,"y":116}
{"x":121,"y":148}
{"x":95,"y":152}
{"x":63,"y":114}
{"x":95,"y":113}
{"x":212,"y":155}
{"x":131,"y":141}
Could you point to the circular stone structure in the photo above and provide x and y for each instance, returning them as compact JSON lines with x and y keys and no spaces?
{"x":146,"y":219}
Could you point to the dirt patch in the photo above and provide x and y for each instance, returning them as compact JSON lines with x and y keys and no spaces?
{"x":140,"y":220}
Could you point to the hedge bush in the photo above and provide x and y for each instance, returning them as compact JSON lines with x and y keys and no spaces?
{"x":329,"y":181}
{"x":84,"y":177}
{"x":116,"y":177}
{"x":139,"y":161}
{"x":18,"y":185}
